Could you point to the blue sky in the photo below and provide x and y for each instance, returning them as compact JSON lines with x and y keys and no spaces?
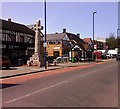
{"x":76,"y":17}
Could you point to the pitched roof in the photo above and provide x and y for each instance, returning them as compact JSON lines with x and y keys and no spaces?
{"x":30,"y":26}
{"x":73,"y":38}
{"x":87,"y":40}
{"x":56,"y":36}
{"x":79,"y":41}
{"x":9,"y":25}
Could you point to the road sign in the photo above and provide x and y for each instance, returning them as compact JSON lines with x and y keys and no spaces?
{"x":44,"y":44}
{"x":95,"y":47}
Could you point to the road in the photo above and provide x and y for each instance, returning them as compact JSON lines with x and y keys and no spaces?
{"x":95,"y":86}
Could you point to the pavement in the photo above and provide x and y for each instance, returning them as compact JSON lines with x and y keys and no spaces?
{"x":24,"y":70}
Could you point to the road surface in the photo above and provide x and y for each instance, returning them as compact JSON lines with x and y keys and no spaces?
{"x":93,"y":86}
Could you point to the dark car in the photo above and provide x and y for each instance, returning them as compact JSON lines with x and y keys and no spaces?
{"x":118,"y":57}
{"x":50,"y":59}
{"x":5,"y":62}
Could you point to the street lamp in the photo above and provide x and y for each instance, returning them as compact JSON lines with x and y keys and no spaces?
{"x":45,"y":44}
{"x":118,"y":38}
{"x":93,"y":26}
{"x":93,"y":32}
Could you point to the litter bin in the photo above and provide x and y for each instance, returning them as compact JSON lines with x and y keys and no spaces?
{"x":73,"y":59}
{"x":19,"y":61}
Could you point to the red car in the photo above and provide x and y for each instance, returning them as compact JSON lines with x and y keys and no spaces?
{"x":5,"y":62}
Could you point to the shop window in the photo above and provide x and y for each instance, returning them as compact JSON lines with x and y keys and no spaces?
{"x":56,"y":54}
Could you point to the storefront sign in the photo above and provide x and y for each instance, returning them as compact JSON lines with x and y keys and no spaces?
{"x":56,"y":48}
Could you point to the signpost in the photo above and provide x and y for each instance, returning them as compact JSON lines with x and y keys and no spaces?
{"x":95,"y":47}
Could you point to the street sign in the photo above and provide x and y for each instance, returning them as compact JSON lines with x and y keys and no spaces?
{"x":95,"y":47}
{"x":44,"y":44}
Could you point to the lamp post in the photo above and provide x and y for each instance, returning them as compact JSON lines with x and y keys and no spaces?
{"x":118,"y":38}
{"x":93,"y":32}
{"x":45,"y":44}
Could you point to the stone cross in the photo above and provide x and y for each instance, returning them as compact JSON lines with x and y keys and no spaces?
{"x":35,"y":60}
{"x":37,"y":29}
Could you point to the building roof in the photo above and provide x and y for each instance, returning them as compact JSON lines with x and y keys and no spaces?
{"x":87,"y":40}
{"x":55,"y":36}
{"x":76,"y":40}
{"x":73,"y":38}
{"x":9,"y":25}
{"x":30,"y":26}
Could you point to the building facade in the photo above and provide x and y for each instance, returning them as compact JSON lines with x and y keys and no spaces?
{"x":89,"y":49}
{"x":17,"y":40}
{"x":66,"y":44}
{"x":58,"y":44}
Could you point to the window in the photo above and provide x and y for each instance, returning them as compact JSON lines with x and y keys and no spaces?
{"x":56,"y":54}
{"x":4,"y":37}
{"x":57,"y":42}
{"x":13,"y":38}
{"x":21,"y":38}
{"x":50,"y":42}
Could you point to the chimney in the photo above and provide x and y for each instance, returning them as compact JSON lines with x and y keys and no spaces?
{"x":64,"y":30}
{"x":9,"y":19}
{"x":78,"y":35}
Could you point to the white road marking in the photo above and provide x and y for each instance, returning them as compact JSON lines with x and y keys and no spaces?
{"x":36,"y":92}
{"x":83,"y":75}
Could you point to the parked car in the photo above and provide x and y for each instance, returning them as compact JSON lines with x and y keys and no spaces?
{"x":113,"y":55}
{"x":62,"y":59}
{"x":5,"y":62}
{"x":108,"y":55}
{"x":50,"y":59}
{"x":118,"y":57}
